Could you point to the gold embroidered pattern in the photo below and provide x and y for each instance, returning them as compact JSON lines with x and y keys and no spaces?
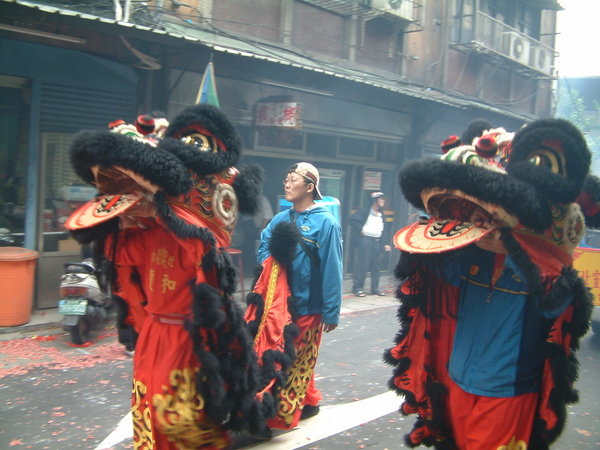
{"x":180,"y":414}
{"x":299,"y":375}
{"x":514,"y":445}
{"x":269,"y":300}
{"x":151,"y":276}
{"x":142,"y":422}
{"x":161,"y":258}
{"x":166,"y":283}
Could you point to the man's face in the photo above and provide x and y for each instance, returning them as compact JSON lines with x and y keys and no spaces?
{"x":296,"y":188}
{"x":381,"y":202}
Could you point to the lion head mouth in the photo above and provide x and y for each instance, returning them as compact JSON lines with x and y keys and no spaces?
{"x":456,"y":219}
{"x":456,"y":205}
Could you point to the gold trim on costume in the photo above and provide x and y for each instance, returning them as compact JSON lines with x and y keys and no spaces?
{"x":269,"y":300}
{"x":142,"y":421}
{"x":514,"y":445}
{"x":299,"y":375}
{"x":178,"y":414}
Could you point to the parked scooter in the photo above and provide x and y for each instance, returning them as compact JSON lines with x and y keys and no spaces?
{"x":83,"y":302}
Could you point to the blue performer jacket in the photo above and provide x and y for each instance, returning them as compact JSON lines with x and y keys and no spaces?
{"x":317,"y":291}
{"x":499,"y":328}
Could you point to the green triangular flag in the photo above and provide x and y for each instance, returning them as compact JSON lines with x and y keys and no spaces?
{"x":208,"y":89}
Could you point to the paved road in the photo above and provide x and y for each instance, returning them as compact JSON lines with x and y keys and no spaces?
{"x":54,"y":396}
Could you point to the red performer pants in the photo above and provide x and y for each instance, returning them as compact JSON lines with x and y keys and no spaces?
{"x":494,"y":423}
{"x":300,"y":389}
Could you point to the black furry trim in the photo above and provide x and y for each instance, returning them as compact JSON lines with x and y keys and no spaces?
{"x":97,"y":233}
{"x":407,"y":437}
{"x":591,"y":188}
{"x":438,"y":422}
{"x":577,"y":158}
{"x":213,"y":258}
{"x":106,"y":149}
{"x":554,"y":188}
{"x":414,"y":269}
{"x":228,"y":367}
{"x":556,"y":291}
{"x":214,"y":121}
{"x":226,"y":271}
{"x":516,"y":197}
{"x":275,"y":363}
{"x":254,"y":298}
{"x":475,"y":129}
{"x":181,"y":228}
{"x":582,"y":313}
{"x":564,"y":368}
{"x":529,"y":270}
{"x":248,"y":187}
{"x":283,"y":245}
{"x":562,"y":394}
{"x":256,"y":272}
{"x":207,"y":308}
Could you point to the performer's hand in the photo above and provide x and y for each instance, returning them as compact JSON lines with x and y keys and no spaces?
{"x":134,"y":216}
{"x":144,"y":208}
{"x":327,"y":327}
{"x":387,"y":248}
{"x":492,"y":243}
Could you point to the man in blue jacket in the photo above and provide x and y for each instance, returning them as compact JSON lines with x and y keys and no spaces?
{"x":315,"y":281}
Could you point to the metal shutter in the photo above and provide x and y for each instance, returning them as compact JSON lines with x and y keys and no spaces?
{"x":67,"y":109}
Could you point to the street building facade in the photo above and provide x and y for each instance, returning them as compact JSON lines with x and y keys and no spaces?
{"x":356,"y":87}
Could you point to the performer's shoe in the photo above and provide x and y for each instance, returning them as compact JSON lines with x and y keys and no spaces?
{"x":359,"y":294}
{"x":243,"y":439}
{"x":264,"y":434}
{"x":309,"y":411}
{"x":379,"y":293}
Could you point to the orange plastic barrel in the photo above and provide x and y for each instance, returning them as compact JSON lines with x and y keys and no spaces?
{"x":17,"y":275}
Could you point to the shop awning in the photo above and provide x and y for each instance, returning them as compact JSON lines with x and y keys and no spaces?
{"x":237,"y":45}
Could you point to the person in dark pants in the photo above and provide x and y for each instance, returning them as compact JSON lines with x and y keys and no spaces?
{"x":369,"y":224}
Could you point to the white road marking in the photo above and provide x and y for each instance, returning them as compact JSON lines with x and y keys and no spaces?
{"x":331,"y":420}
{"x":335,"y":419}
{"x":123,"y":432}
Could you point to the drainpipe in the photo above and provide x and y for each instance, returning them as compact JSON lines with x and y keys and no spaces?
{"x":34,"y":207}
{"x":287,"y":18}
{"x":118,"y":10}
{"x":127,"y":11}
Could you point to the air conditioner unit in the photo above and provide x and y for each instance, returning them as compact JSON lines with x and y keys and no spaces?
{"x":400,"y":8}
{"x":516,"y":47}
{"x":540,"y":58}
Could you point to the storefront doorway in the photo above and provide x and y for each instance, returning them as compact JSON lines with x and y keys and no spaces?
{"x":14,"y":124}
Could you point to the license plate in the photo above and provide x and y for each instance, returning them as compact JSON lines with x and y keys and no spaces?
{"x":74,"y":307}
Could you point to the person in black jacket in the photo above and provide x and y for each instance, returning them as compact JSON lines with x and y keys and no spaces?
{"x":369,"y":224}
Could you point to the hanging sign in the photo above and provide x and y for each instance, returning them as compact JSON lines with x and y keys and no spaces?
{"x":278,"y":114}
{"x":372,"y":181}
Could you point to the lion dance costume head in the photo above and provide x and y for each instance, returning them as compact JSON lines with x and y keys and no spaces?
{"x":532,"y":187}
{"x":169,"y":196}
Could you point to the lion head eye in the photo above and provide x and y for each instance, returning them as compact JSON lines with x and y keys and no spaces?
{"x":202,"y":142}
{"x":548,"y":159}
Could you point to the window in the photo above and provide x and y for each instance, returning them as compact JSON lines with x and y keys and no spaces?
{"x":357,"y":148}
{"x":321,"y":144}
{"x":280,"y":138}
{"x":389,"y":152}
{"x":464,"y":21}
